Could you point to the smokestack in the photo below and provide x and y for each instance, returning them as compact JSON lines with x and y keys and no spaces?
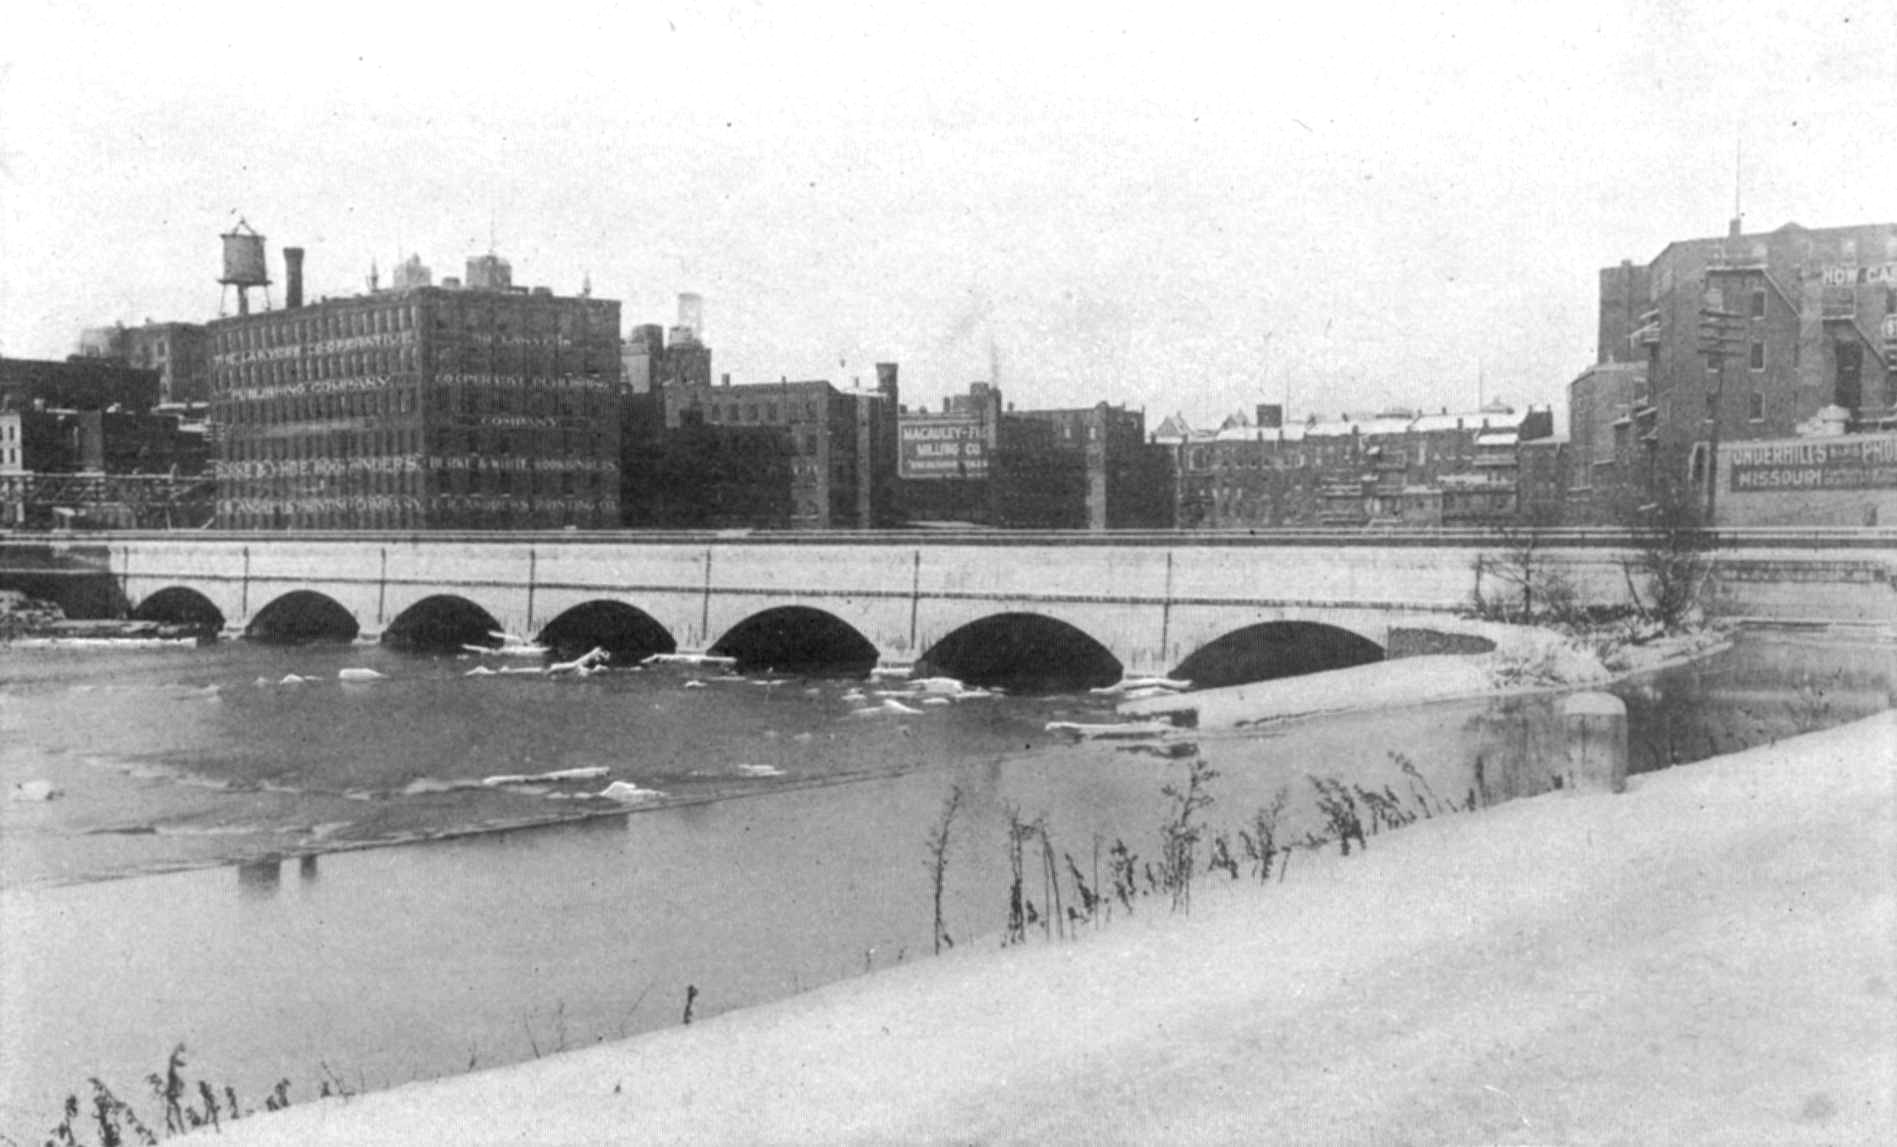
{"x":293,"y":277}
{"x":691,"y":313}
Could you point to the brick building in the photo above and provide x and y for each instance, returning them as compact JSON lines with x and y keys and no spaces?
{"x":178,"y":352}
{"x":1397,"y":467}
{"x":76,"y":384}
{"x":1811,"y":343}
{"x":81,"y":445}
{"x":841,"y":444}
{"x":484,"y":406}
{"x":1070,"y":469}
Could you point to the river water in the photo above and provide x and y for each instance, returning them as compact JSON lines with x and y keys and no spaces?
{"x":207,"y":878}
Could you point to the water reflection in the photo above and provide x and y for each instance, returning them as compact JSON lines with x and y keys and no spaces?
{"x":260,"y":877}
{"x":404,"y":959}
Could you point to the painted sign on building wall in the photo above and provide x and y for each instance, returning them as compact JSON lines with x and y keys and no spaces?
{"x":941,"y":447}
{"x":1855,"y":462}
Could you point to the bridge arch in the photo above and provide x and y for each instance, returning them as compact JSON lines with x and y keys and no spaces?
{"x":628,"y":633}
{"x":1274,"y":649}
{"x":798,"y":639}
{"x":181,"y":605}
{"x":442,"y":622}
{"x":1022,"y":652}
{"x":302,"y":616}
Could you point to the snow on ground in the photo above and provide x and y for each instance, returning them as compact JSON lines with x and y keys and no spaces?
{"x":1525,"y":659}
{"x":1705,"y":959}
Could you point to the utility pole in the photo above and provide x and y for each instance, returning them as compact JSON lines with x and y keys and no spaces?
{"x":1721,"y":335}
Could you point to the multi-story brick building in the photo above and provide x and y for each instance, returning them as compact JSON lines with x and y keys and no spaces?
{"x":1398,"y":467}
{"x":178,"y":352}
{"x":485,"y":406}
{"x":1811,"y":339}
{"x":842,"y":443}
{"x":76,"y":384}
{"x":1079,"y":468}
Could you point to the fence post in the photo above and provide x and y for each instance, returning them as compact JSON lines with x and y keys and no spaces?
{"x":1594,"y":729}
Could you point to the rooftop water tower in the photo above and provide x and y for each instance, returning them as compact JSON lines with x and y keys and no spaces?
{"x":244,"y":266}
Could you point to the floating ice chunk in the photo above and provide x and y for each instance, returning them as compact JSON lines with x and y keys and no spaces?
{"x":480,"y":671}
{"x":423,"y":785}
{"x":947,"y":685}
{"x":894,"y":706}
{"x":694,"y":684}
{"x":891,"y":671}
{"x":511,"y":645}
{"x":937,"y":701}
{"x":761,"y":770}
{"x":35,"y":791}
{"x":1124,"y":729}
{"x":536,"y":669}
{"x":855,"y":695}
{"x":293,"y":679}
{"x":625,"y":792}
{"x":588,"y":773}
{"x":1130,"y":685}
{"x":688,"y":659}
{"x":359,"y":675}
{"x":584,"y":665}
{"x":1147,"y":691}
{"x":975,"y":694}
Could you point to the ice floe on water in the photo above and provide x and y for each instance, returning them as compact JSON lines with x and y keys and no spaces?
{"x":1145,"y":686}
{"x":511,"y":645}
{"x":586,"y":773}
{"x":586,"y":664}
{"x":360,"y":674}
{"x":761,"y":770}
{"x":689,"y":659}
{"x":625,"y":792}
{"x":1110,"y":731}
{"x":422,"y":786}
{"x":35,"y":792}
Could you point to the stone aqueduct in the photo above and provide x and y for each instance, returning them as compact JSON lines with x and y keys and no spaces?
{"x":1151,"y":600}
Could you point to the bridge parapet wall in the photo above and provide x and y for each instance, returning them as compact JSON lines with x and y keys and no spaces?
{"x":1151,"y":599}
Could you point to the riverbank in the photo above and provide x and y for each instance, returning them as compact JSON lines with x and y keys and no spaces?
{"x":1705,"y":958}
{"x":1524,"y":659}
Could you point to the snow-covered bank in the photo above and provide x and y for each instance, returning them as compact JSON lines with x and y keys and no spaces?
{"x":1525,"y":658}
{"x":1704,"y":959}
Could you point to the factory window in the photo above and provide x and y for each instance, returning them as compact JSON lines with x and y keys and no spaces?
{"x":1755,"y":406}
{"x":1758,"y":355}
{"x":1758,"y":302}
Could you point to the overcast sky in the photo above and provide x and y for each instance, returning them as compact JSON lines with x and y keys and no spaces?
{"x":1171,"y":206}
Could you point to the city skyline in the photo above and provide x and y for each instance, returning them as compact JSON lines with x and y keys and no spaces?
{"x":1363,"y":207}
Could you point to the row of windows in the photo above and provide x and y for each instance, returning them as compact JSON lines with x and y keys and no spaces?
{"x":319,"y":324}
{"x":325,"y":445}
{"x":377,"y":403}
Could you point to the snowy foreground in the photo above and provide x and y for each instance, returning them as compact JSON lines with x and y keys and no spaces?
{"x":1708,"y":958}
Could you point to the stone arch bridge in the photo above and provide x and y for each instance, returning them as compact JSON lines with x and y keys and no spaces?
{"x":1150,"y":599}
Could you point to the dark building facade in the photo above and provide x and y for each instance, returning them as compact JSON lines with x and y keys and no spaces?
{"x":76,"y":384}
{"x":1398,"y":467}
{"x":1072,"y":469}
{"x":1807,"y":343}
{"x":486,"y":406}
{"x":102,"y":469}
{"x":841,"y":445}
